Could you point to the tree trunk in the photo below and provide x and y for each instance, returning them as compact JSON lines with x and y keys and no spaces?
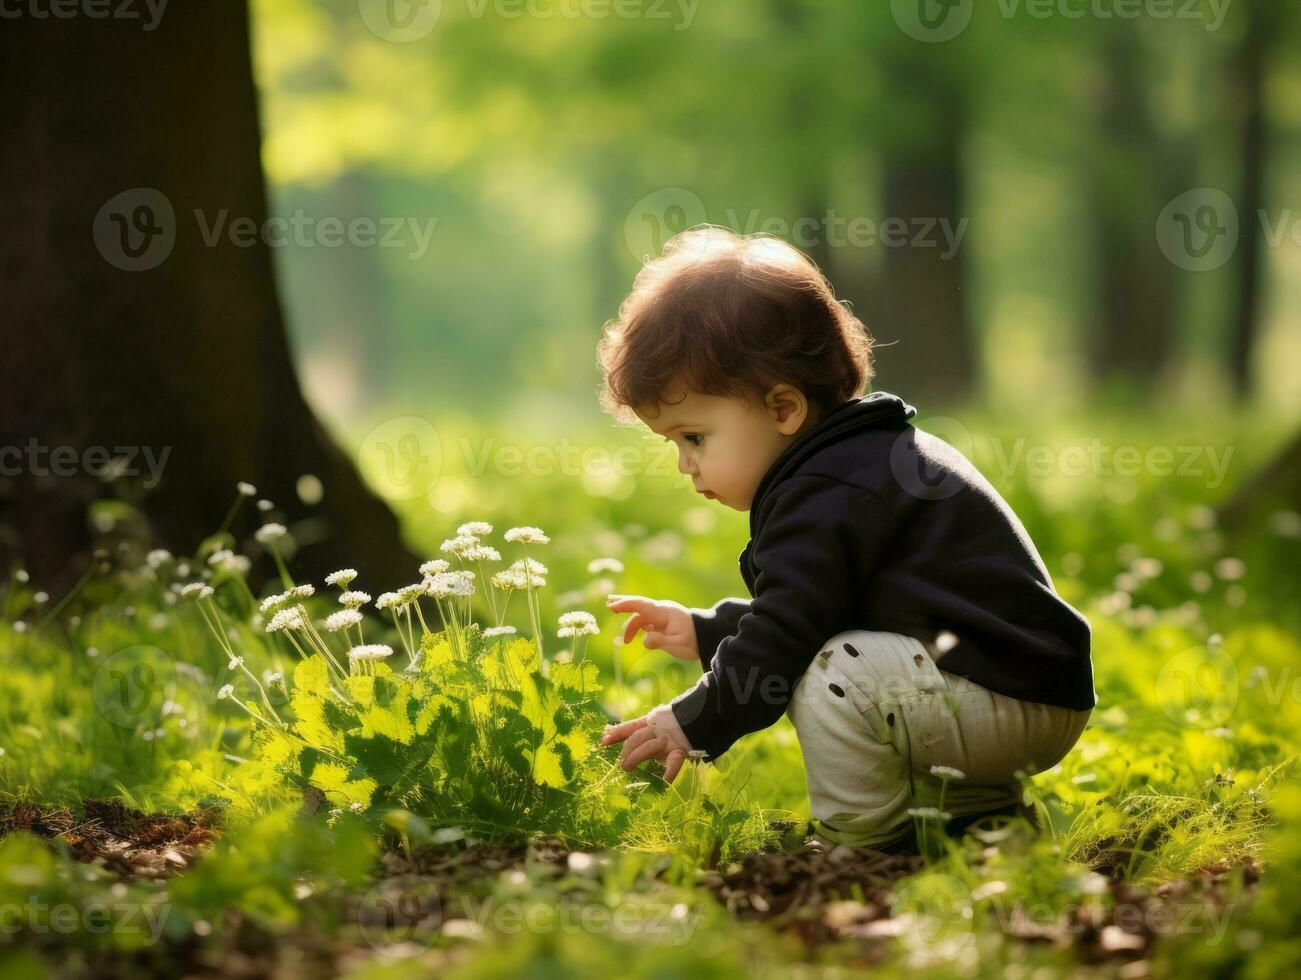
{"x":1275,"y":485}
{"x":924,"y":310}
{"x":1135,"y":323}
{"x":129,"y":325}
{"x":914,"y":301}
{"x":1249,"y":71}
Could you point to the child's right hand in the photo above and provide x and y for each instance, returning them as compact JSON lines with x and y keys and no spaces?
{"x":668,"y":625}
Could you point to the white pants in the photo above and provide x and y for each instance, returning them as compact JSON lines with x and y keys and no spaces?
{"x":874,"y":713}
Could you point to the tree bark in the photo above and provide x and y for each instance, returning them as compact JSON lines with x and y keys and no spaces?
{"x":1249,"y":71}
{"x":109,"y":123}
{"x":914,"y":301}
{"x":924,"y":310}
{"x":1135,"y":322}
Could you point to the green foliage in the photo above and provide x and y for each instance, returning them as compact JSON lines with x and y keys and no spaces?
{"x":1187,"y":761}
{"x":496,"y":741}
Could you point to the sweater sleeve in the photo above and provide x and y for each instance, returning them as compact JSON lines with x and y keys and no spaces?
{"x":813,"y":537}
{"x":715,"y":623}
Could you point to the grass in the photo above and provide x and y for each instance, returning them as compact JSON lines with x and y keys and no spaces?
{"x":1178,"y":794}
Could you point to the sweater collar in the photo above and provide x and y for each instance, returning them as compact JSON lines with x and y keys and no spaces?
{"x":865,"y":412}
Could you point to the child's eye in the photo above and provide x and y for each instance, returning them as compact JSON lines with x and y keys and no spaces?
{"x":693,"y":437}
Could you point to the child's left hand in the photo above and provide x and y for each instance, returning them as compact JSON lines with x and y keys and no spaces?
{"x":655,"y":735}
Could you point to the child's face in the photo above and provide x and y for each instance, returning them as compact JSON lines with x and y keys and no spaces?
{"x":726,"y":445}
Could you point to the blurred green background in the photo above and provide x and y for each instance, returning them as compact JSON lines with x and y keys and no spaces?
{"x":555,"y":143}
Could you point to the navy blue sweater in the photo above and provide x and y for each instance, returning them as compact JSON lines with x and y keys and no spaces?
{"x":865,"y":522}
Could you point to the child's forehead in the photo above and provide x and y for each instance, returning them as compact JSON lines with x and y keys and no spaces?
{"x":691,"y":409}
{"x":666,"y":416}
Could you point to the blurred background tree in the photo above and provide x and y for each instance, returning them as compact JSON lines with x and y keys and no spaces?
{"x":1033,"y":207}
{"x":1055,"y":142}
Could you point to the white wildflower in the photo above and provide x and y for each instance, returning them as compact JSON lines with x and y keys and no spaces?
{"x":476,"y":528}
{"x":237,"y":563}
{"x":274,"y":678}
{"x":225,"y":691}
{"x":270,"y":532}
{"x":434,"y":566}
{"x":509,"y":579}
{"x":370,"y":651}
{"x":265,"y":506}
{"x":388,"y":600}
{"x":598,"y":565}
{"x":527,"y":535}
{"x":947,"y":772}
{"x":291,"y":619}
{"x":246,"y":489}
{"x":271,"y":601}
{"x":481,"y":552}
{"x":529,"y":565}
{"x":355,"y":807}
{"x":577,"y":624}
{"x":197,"y":589}
{"x":410,"y":593}
{"x":500,"y":631}
{"x":228,"y":561}
{"x":235,"y":663}
{"x":302,"y":591}
{"x":159,"y":556}
{"x":446,"y":584}
{"x":354,"y":599}
{"x":342,"y":620}
{"x":459,"y":545}
{"x":342,"y":578}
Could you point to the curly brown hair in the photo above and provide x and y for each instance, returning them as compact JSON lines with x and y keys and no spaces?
{"x":731,"y":315}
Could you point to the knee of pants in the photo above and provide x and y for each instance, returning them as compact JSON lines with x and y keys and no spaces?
{"x":843,"y":686}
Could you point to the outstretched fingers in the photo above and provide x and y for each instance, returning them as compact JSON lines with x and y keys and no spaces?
{"x":627,"y":603}
{"x":636,"y":623}
{"x":617,"y":733}
{"x":673,"y":764}
{"x":639,"y":749}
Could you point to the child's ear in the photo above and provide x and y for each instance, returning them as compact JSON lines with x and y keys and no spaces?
{"x":788,"y":407}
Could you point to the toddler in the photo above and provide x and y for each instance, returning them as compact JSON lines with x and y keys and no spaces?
{"x":899,"y":613}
